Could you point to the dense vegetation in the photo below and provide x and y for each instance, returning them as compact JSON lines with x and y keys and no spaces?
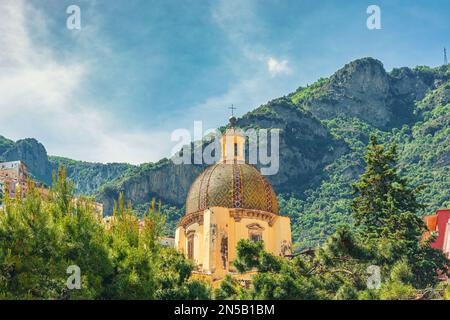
{"x":5,"y":144}
{"x":88,"y":177}
{"x":41,"y":237}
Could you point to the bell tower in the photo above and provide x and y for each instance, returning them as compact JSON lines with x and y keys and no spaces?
{"x":232,"y":143}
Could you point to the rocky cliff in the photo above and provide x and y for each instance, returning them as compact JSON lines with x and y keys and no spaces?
{"x":32,"y":153}
{"x":363,"y":89}
{"x":164,"y":180}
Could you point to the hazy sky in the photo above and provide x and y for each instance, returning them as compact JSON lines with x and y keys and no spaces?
{"x":136,"y":70}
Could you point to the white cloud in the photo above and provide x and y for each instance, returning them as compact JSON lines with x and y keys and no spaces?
{"x":39,"y":98}
{"x":276,"y":67}
{"x":240,"y":24}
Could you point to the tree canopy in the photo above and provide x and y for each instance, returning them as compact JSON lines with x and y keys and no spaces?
{"x":42,"y":236}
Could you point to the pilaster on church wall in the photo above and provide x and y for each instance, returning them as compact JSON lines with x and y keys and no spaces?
{"x":232,"y":239}
{"x":220,"y":223}
{"x":206,"y":240}
{"x":201,"y":246}
{"x":195,"y":229}
{"x":282,"y":232}
{"x":214,"y":238}
{"x":180,"y":239}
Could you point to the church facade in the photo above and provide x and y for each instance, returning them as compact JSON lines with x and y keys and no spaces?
{"x":230,"y":201}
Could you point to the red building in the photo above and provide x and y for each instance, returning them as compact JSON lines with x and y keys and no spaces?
{"x":440,"y":223}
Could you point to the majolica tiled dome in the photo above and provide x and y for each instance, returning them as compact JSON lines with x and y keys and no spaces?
{"x":237,"y":185}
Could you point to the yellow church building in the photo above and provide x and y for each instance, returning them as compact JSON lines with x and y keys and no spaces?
{"x":229,"y":201}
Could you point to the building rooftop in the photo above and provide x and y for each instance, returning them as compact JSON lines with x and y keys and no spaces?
{"x":10,"y":164}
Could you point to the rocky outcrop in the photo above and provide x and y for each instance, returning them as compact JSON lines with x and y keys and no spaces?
{"x":306,"y":146}
{"x":34,"y":155}
{"x":165,"y":181}
{"x":363,"y":89}
{"x":89,"y":177}
{"x":359,"y":89}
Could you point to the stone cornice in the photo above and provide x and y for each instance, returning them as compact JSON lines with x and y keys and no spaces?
{"x":187,"y":220}
{"x":255,"y":226}
{"x":238,"y":214}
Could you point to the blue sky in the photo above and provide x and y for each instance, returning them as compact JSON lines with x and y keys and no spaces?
{"x":137,"y":70}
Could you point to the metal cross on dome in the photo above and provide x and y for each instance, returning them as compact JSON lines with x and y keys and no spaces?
{"x":232,"y":110}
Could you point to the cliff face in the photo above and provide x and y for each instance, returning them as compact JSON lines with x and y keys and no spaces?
{"x":165,"y":181}
{"x":33,"y":154}
{"x":360,"y":89}
{"x":363,"y":89}
{"x":88,"y":177}
{"x":306,"y":146}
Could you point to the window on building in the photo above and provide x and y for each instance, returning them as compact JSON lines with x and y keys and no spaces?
{"x":235,"y":149}
{"x":256,"y":237}
{"x":190,"y":247}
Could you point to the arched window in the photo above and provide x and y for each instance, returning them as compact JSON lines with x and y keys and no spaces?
{"x":255,"y":232}
{"x":190,"y":246}
{"x":254,"y":236}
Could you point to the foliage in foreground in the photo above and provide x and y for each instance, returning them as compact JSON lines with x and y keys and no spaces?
{"x":41,"y":236}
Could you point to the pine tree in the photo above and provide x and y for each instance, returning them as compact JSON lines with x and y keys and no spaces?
{"x":384,"y":205}
{"x":385,"y":211}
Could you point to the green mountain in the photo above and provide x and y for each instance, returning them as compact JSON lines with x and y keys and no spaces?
{"x":324,"y":129}
{"x":88,"y":177}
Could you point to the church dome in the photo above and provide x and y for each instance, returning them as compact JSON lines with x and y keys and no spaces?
{"x":231,"y":185}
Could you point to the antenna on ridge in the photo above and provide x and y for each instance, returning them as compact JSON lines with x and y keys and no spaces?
{"x":445,"y":57}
